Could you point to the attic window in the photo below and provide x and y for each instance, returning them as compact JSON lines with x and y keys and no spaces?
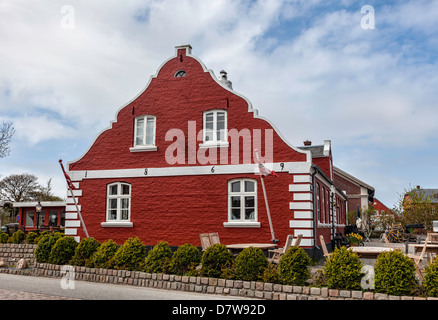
{"x":180,"y":73}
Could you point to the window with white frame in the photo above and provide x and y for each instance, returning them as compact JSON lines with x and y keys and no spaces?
{"x":215,"y":127}
{"x":242,"y":201}
{"x":118,"y":202}
{"x":144,"y":133}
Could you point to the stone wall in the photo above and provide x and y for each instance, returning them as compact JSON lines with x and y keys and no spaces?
{"x":238,"y":288}
{"x":10,"y":253}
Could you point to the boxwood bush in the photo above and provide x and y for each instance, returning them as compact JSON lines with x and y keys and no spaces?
{"x":250,"y":264}
{"x":394,"y":273}
{"x":130,"y":255}
{"x":45,"y":243}
{"x":84,"y":251}
{"x":185,"y":259}
{"x":63,"y":250}
{"x":215,"y":259}
{"x":4,"y":237}
{"x":343,"y":270}
{"x":293,"y":266}
{"x":158,"y":258}
{"x":32,"y":238}
{"x":17,"y":237}
{"x":431,"y":279}
{"x":103,"y":257}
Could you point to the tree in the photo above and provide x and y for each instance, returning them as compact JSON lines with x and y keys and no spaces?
{"x":415,"y":207}
{"x":6,"y":133}
{"x":19,"y":187}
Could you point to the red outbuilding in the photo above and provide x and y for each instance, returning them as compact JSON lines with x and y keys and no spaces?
{"x":180,"y":159}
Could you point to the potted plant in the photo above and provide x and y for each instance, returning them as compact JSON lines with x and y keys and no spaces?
{"x":354,"y":239}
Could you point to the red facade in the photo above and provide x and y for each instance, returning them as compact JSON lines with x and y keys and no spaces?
{"x":179,"y":160}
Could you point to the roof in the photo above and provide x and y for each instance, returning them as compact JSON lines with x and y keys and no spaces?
{"x":34,"y":203}
{"x":431,"y":194}
{"x":351,"y":178}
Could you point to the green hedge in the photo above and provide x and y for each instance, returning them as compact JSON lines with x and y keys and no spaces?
{"x":394,"y":273}
{"x":250,"y":264}
{"x":130,"y":255}
{"x":63,"y":250}
{"x":158,"y":258}
{"x":343,"y":270}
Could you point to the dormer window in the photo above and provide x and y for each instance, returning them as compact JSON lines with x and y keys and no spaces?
{"x":144,"y":134}
{"x":180,"y":73}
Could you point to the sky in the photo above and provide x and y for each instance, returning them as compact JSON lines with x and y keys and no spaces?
{"x":363,"y":74}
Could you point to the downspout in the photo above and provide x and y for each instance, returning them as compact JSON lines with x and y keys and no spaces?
{"x":314,"y":208}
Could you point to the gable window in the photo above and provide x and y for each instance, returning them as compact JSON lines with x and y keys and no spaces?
{"x":242,"y":203}
{"x":144,"y":133}
{"x":118,"y":208}
{"x":215,"y":128}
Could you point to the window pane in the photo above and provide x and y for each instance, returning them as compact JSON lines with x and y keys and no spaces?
{"x":112,"y":215}
{"x":249,"y":214}
{"x":125,"y":214}
{"x":235,"y":214}
{"x":139,"y":132}
{"x":249,"y":186}
{"x":150,"y":131}
{"x":235,"y":186}
{"x":113,"y":190}
{"x":125,"y":189}
{"x":249,"y":202}
{"x":29,"y":218}
{"x":209,"y":135}
{"x":125,"y":203}
{"x":113,"y":203}
{"x":235,"y":202}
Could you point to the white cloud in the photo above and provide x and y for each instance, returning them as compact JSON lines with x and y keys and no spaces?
{"x":322,"y":78}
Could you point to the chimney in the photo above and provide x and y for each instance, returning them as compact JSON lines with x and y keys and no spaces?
{"x":307,"y":143}
{"x":224,"y":79}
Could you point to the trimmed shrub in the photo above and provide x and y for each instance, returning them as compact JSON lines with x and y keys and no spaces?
{"x":63,"y":250}
{"x":343,"y":270}
{"x":84,"y":251}
{"x":17,"y":237}
{"x":4,"y":237}
{"x":185,"y":259}
{"x":130,"y":255}
{"x":158,"y":258}
{"x":45,"y":243}
{"x":271,"y":274}
{"x":214,"y":259}
{"x":293,"y":266}
{"x":32,"y":238}
{"x":394,"y":273}
{"x":250,"y":264}
{"x":431,"y":279}
{"x":103,"y":257}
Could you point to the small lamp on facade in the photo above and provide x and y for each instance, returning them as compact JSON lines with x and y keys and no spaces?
{"x":38,"y":208}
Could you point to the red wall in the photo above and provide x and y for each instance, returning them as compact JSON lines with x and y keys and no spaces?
{"x":178,"y":209}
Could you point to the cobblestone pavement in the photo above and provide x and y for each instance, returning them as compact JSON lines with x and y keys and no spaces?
{"x":23,"y":295}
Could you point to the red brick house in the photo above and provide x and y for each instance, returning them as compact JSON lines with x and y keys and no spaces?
{"x":178,"y":160}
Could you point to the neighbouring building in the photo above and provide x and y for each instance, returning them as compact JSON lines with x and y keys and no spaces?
{"x":358,"y":192}
{"x":179,"y":160}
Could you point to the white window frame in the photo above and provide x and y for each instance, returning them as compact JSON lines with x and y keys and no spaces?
{"x":214,"y":142}
{"x":246,"y":223}
{"x":118,"y":222}
{"x":144,"y":147}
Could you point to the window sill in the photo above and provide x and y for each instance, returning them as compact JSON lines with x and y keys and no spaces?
{"x":117,"y":224}
{"x":242,"y":224}
{"x":218,"y":144}
{"x":143,"y":148}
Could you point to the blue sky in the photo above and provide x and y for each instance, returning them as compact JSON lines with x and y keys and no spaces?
{"x":307,"y":65}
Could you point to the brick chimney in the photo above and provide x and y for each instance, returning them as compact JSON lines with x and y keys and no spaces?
{"x":307,"y":143}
